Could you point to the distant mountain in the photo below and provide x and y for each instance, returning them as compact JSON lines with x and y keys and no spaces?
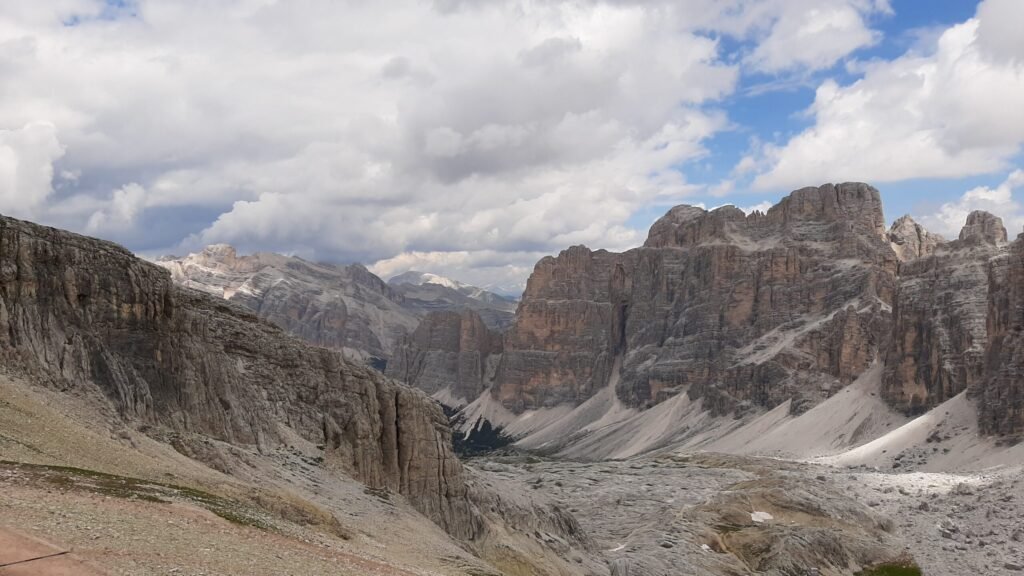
{"x":428,"y":292}
{"x":342,"y":307}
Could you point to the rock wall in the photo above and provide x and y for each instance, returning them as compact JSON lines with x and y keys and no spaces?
{"x":732,"y":308}
{"x":1000,"y":395}
{"x":940,"y":329}
{"x":448,"y":351}
{"x":83,"y":313}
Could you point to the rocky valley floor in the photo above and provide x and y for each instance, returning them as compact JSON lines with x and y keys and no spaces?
{"x":703,"y":512}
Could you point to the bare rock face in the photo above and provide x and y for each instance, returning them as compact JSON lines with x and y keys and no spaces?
{"x":983,"y":228}
{"x":939,"y":319}
{"x":1000,"y":395}
{"x":561,"y":348}
{"x":731,"y":308}
{"x":910,"y":240}
{"x":449,"y":351}
{"x":342,"y":307}
{"x":86,"y":314}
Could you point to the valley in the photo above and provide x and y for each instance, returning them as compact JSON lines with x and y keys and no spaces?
{"x":801,"y":391}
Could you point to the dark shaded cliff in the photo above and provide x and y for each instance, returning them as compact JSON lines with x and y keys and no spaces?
{"x":82,"y":313}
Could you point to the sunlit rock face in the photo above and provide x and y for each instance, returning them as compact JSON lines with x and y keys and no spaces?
{"x":736,"y":309}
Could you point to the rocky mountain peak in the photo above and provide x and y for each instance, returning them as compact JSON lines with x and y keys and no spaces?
{"x":983,"y":227}
{"x":856,"y":203}
{"x":910,"y":240}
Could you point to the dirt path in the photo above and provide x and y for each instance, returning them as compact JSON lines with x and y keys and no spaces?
{"x":22,"y":555}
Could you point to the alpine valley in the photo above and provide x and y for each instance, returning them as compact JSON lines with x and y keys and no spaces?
{"x":801,"y":391}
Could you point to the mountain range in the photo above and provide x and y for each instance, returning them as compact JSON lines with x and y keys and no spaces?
{"x":802,"y":390}
{"x":342,"y":307}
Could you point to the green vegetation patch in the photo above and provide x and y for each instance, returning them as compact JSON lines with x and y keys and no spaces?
{"x":68,"y":478}
{"x":895,"y":569}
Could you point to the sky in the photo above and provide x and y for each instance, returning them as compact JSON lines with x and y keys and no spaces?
{"x":472,"y":138}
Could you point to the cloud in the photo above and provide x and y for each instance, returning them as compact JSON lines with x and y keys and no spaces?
{"x":1000,"y":201}
{"x":27,"y":156}
{"x":950,"y":113}
{"x":120,"y":212}
{"x":814,"y":35}
{"x":374,"y":132}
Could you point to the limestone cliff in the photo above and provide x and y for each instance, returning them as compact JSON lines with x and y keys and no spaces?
{"x":448,"y":353}
{"x":1000,"y":394}
{"x":939,"y":318}
{"x":85,"y":314}
{"x":732,"y":308}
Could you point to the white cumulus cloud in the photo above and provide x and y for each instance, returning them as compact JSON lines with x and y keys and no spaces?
{"x":1001,"y":201}
{"x":949,"y":113}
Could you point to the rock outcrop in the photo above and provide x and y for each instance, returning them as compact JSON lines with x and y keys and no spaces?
{"x":732,"y":308}
{"x":940,"y":318}
{"x":450,"y":353}
{"x":1000,"y":395}
{"x":84,"y":314}
{"x":910,"y":240}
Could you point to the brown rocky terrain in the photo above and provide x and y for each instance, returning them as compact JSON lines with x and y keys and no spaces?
{"x":1000,"y":393}
{"x":95,"y":341}
{"x":738,"y":310}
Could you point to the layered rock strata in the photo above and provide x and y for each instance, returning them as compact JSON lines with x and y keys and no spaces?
{"x":940,"y":315}
{"x":738,"y":310}
{"x":449,"y":353}
{"x":83,"y":313}
{"x":1000,"y":394}
{"x":910,"y":240}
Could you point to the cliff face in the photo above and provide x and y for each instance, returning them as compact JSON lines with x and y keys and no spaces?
{"x":731,"y":308}
{"x":448,"y":351}
{"x":940,"y":329}
{"x":83,"y":313}
{"x":1000,"y":395}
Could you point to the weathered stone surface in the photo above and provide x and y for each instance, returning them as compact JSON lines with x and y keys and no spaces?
{"x":732,"y":308}
{"x":1000,"y":395}
{"x":567,"y":330}
{"x":939,"y":319}
{"x":910,"y":240}
{"x":983,"y":228}
{"x":83,"y":314}
{"x":448,"y":351}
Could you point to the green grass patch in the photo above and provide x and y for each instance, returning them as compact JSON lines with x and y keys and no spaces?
{"x":70,"y":478}
{"x":896,"y":569}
